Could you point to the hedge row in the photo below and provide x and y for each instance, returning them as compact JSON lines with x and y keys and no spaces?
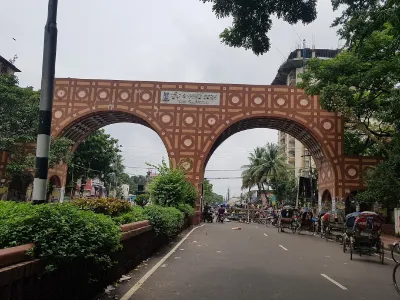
{"x":61,"y":233}
{"x":81,"y":230}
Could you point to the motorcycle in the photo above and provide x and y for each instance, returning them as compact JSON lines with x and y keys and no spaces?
{"x":220,"y":218}
{"x":208,"y":217}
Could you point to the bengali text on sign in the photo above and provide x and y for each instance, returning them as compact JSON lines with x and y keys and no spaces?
{"x":189,"y":98}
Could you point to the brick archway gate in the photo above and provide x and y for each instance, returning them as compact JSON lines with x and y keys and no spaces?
{"x":193,"y":119}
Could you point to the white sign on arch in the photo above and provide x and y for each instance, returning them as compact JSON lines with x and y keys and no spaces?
{"x":189,"y":98}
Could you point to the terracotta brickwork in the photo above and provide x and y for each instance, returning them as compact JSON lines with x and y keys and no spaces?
{"x":191,"y":133}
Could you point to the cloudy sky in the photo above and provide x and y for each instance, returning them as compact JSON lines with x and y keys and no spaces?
{"x":160,"y":40}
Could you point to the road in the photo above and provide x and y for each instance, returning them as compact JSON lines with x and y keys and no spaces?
{"x":257,"y":262}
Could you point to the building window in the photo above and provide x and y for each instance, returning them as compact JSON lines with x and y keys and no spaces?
{"x":307,"y":164}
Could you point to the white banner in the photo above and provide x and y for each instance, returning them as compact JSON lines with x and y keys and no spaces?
{"x":189,"y":98}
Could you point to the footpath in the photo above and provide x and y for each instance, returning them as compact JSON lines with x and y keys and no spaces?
{"x":388,"y":241}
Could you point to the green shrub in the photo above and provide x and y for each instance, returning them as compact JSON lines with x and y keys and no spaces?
{"x":165,"y":220}
{"x":107,"y":206}
{"x":187,"y":210}
{"x":62,"y":233}
{"x":134,"y":215}
{"x":170,"y":188}
{"x":142,"y":199}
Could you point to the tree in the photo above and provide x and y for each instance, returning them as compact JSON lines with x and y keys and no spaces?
{"x":170,"y":188}
{"x":265,"y":163}
{"x":207,"y":191}
{"x":284,"y":186}
{"x":142,"y":199}
{"x":209,"y":197}
{"x":19,"y":114}
{"x":252,"y":174}
{"x":133,"y":181}
{"x":361,"y":18}
{"x":384,"y":181}
{"x":252,"y":19}
{"x":361,"y":85}
{"x":97,"y":156}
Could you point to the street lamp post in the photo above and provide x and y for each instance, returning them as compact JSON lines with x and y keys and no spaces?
{"x":46,"y":104}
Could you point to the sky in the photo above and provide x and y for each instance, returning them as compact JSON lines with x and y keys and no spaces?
{"x":157,"y":40}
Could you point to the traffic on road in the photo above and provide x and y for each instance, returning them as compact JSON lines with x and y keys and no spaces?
{"x":253,"y":260}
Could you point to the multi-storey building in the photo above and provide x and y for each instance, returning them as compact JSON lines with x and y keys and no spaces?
{"x":289,"y":74}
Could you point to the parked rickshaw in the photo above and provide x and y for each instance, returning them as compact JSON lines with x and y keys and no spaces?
{"x":306,"y":220}
{"x":364,"y":237}
{"x":285,"y":219}
{"x":334,"y":225}
{"x":349,"y":229}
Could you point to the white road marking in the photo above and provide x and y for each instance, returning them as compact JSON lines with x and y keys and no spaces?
{"x":265,"y":234}
{"x":334,"y":282}
{"x":283,"y":248}
{"x":385,"y":257}
{"x":156,"y":266}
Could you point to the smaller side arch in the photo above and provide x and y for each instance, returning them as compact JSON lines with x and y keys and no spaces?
{"x":326,"y":200}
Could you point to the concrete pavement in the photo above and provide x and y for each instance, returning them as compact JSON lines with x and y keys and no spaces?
{"x":257,"y":262}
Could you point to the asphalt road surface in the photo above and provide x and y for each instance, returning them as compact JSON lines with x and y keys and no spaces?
{"x":257,"y":262}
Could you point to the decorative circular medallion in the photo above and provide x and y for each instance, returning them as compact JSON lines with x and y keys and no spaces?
{"x":189,"y":120}
{"x":304,"y":102}
{"x":258,"y":100}
{"x":82,"y":94}
{"x":186,"y":164}
{"x":61,"y":93}
{"x":235,"y":99}
{"x":145,"y":96}
{"x":188,"y":142}
{"x":327,"y":125}
{"x":166,"y":118}
{"x":58,"y":114}
{"x":124,"y":95}
{"x":211,"y":121}
{"x":103,"y":94}
{"x":352,"y":172}
{"x":281,"y":101}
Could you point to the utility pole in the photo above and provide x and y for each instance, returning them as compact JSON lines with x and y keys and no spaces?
{"x":46,"y":104}
{"x":229,"y":196}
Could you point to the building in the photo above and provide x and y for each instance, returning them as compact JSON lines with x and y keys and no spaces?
{"x":91,"y":188}
{"x":7,"y":67}
{"x":125,"y":191}
{"x":289,"y":72}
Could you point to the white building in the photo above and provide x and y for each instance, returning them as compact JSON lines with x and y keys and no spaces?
{"x":125,"y":191}
{"x":289,"y":74}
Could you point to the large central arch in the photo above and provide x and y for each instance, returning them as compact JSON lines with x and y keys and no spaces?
{"x":193,"y":119}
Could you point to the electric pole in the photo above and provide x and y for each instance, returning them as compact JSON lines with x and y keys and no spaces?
{"x":46,"y":104}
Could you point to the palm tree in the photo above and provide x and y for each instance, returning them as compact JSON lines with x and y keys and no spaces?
{"x":265,"y":163}
{"x":251,"y":175}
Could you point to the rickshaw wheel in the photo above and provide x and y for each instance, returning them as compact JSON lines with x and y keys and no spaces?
{"x":351,"y":250}
{"x":394,"y":277}
{"x":382,"y":254}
